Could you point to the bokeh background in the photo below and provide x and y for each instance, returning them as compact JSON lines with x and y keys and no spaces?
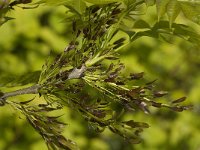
{"x":25,"y":43}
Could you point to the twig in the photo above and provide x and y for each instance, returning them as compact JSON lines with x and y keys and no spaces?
{"x":75,"y":74}
{"x":29,"y":90}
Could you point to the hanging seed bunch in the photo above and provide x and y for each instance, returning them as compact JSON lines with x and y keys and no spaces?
{"x":46,"y":125}
{"x":81,"y":78}
{"x":88,"y":78}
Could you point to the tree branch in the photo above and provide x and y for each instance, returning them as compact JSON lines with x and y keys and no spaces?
{"x":29,"y":90}
{"x":75,"y":74}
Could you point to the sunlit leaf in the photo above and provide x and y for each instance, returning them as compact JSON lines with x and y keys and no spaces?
{"x":161,"y":6}
{"x":191,"y":10}
{"x":120,"y":40}
{"x":81,"y":79}
{"x":4,"y":20}
{"x":150,"y":2}
{"x":66,"y":143}
{"x":102,"y":1}
{"x":173,"y":9}
{"x":26,"y":102}
{"x":140,"y":24}
{"x":128,"y":2}
{"x":57,"y":2}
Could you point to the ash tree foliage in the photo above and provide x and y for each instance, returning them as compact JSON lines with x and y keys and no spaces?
{"x":87,"y":76}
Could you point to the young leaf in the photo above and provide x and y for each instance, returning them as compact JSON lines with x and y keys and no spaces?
{"x":141,"y":24}
{"x":173,"y":9}
{"x":191,"y":10}
{"x":4,"y":20}
{"x":150,"y":2}
{"x":13,"y":80}
{"x":77,"y":6}
{"x":161,"y":6}
{"x":102,"y":1}
{"x":55,"y":2}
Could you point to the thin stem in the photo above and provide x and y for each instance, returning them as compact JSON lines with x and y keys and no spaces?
{"x":29,"y":90}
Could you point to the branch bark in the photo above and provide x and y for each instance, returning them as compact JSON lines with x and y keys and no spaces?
{"x":29,"y":90}
{"x":75,"y":74}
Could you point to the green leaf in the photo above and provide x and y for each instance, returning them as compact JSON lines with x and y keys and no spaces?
{"x":74,"y":5}
{"x":9,"y":80}
{"x":129,"y":2}
{"x":102,"y":1}
{"x":150,"y":2}
{"x":140,"y":24}
{"x":162,"y":31}
{"x":173,"y":9}
{"x":78,"y":6}
{"x":161,"y":6}
{"x":187,"y":33}
{"x":191,"y":10}
{"x":4,"y":20}
{"x":49,"y":130}
{"x":55,"y":2}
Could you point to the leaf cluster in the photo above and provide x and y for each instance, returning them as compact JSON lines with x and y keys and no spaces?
{"x":88,"y":75}
{"x":82,"y":68}
{"x":46,"y":125}
{"x":174,"y":7}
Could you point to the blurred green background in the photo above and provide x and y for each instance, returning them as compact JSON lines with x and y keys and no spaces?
{"x":26,"y":41}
